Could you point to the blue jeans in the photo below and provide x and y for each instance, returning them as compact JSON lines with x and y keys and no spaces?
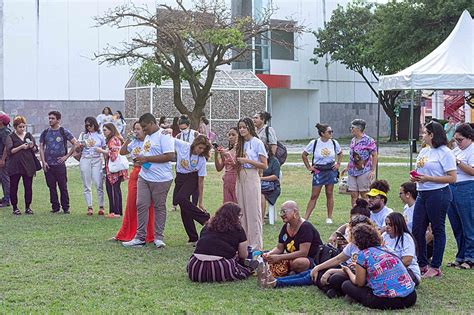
{"x":461,"y":217}
{"x":300,"y":279}
{"x":431,"y":207}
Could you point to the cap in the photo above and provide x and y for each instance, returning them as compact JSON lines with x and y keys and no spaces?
{"x":375,"y":192}
{"x":5,"y":119}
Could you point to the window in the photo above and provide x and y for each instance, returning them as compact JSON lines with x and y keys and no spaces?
{"x":282,"y":46}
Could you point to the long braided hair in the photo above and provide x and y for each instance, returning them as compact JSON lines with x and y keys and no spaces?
{"x":239,"y":150}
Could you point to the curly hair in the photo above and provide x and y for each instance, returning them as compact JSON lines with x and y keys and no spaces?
{"x":201,"y":139}
{"x":226,"y":218}
{"x":365,"y":236}
{"x":356,"y":220}
{"x":361,"y":207}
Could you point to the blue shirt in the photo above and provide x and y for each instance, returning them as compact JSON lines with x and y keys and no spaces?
{"x":55,"y":145}
{"x":386,"y":274}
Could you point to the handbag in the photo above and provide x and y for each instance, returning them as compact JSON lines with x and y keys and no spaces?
{"x":344,"y":186}
{"x":120,"y":164}
{"x":267,"y":186}
{"x":324,"y":253}
{"x":38,"y":166}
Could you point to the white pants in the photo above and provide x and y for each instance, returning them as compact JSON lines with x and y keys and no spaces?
{"x":91,"y":171}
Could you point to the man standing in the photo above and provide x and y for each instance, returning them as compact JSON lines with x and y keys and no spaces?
{"x":54,"y":153}
{"x":4,"y":132}
{"x":154,"y":180}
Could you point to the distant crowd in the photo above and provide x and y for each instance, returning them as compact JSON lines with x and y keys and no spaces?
{"x":377,"y":258}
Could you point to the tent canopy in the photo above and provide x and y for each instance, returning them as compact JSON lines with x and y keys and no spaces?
{"x":449,"y":67}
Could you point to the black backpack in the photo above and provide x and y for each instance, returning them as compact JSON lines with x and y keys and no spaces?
{"x":281,"y":153}
{"x":325,"y":252}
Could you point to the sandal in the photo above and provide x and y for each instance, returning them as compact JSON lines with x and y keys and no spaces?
{"x":466,"y":265}
{"x":90,"y":211}
{"x":16,"y":212}
{"x":454,"y":264}
{"x":101,"y":211}
{"x":28,"y":211}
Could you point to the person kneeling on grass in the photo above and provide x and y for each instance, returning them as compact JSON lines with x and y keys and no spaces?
{"x":380,"y":281}
{"x":298,"y":243}
{"x":221,"y":248}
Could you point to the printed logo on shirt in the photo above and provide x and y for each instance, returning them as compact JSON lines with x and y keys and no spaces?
{"x":136,"y":151}
{"x":421,"y":162}
{"x":90,"y":142}
{"x":290,"y":247}
{"x":285,"y":237}
{"x":147,"y":146}
{"x":59,"y":139}
{"x":184,"y":163}
{"x":354,"y":257}
{"x":194,"y":163}
{"x":325,"y":152}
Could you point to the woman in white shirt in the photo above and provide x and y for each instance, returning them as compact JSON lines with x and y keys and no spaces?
{"x":398,"y":239}
{"x":435,"y":170}
{"x":327,"y":156}
{"x":462,"y":208}
{"x":251,"y":157}
{"x":105,"y":117}
{"x":191,"y":161}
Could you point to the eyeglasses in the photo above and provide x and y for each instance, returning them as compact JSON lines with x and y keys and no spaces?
{"x":329,"y":131}
{"x":374,"y":197}
{"x":459,"y":140}
{"x":284,"y":211}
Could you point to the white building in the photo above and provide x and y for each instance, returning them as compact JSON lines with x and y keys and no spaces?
{"x":46,"y":62}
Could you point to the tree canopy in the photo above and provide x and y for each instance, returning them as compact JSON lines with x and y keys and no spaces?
{"x":186,"y":44}
{"x":383,"y":39}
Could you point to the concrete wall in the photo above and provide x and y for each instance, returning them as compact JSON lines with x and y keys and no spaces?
{"x":73,"y":112}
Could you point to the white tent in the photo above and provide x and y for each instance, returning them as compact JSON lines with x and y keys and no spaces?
{"x":448,"y":67}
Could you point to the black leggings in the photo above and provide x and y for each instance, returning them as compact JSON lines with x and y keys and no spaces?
{"x":28,"y":187}
{"x":185,"y":186}
{"x":365,"y":296}
{"x":115,"y":196}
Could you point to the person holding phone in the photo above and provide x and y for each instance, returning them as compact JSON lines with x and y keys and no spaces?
{"x":436,"y":169}
{"x":225,"y":159}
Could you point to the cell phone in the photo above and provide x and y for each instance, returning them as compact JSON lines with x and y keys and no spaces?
{"x":340,"y":235}
{"x":414,"y":173}
{"x":27,"y":140}
{"x":215,"y":145}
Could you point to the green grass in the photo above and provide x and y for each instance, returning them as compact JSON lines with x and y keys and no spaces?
{"x":58,"y":263}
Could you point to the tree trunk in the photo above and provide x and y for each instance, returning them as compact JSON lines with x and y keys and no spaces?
{"x":196,"y":115}
{"x":393,"y":129}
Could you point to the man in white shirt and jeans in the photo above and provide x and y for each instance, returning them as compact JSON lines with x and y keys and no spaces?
{"x":154,"y":180}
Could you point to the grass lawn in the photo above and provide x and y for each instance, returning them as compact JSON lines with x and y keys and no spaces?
{"x":64,"y":263}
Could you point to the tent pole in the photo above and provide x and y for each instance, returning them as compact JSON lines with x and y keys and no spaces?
{"x":410,"y":128}
{"x":379,"y":102}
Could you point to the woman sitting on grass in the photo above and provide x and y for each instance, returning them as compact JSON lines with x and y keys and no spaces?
{"x":380,"y":281}
{"x":399,"y":240}
{"x":221,"y":249}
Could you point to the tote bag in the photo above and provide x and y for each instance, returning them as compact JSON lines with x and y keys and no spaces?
{"x":120,"y":164}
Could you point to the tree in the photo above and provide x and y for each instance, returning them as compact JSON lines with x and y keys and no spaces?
{"x":386,"y":38}
{"x":186,"y":44}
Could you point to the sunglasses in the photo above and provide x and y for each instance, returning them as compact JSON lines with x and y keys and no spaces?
{"x":88,"y":125}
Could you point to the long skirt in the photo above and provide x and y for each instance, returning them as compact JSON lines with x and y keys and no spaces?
{"x":216,"y":270}
{"x":249,"y":196}
{"x":229,"y":179}
{"x":129,"y":225}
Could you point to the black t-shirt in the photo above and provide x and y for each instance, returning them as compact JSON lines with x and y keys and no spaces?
{"x":224,"y":244}
{"x":307,"y":233}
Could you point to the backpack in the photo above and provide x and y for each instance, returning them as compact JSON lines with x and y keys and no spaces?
{"x":325,"y":252}
{"x":63,"y":134}
{"x":281,"y":152}
{"x":316,"y":142}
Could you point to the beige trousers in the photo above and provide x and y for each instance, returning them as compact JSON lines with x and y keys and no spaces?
{"x":248,"y":197}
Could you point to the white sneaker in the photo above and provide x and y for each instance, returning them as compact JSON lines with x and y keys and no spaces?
{"x":134,"y":243}
{"x":328,"y":221}
{"x":159,"y":243}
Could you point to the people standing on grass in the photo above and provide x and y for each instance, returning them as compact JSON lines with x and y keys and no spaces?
{"x":298,"y":243}
{"x":90,"y":163}
{"x":120,"y":123}
{"x":21,"y":163}
{"x":4,"y":177}
{"x":225,"y":159}
{"x":133,"y":145}
{"x":270,"y":182}
{"x":362,"y":161}
{"x":154,"y":180}
{"x":251,"y":157}
{"x":326,"y":160}
{"x":461,"y":211}
{"x":378,"y":200}
{"x":191,"y":170}
{"x":113,"y":180}
{"x":54,"y":154}
{"x":222,"y":248}
{"x":435,"y":170}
